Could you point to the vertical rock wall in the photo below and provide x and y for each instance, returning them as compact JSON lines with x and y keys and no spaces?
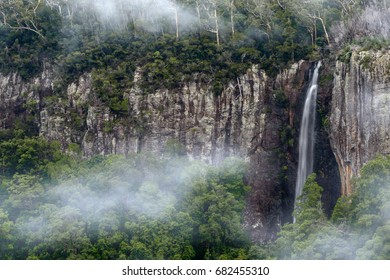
{"x":255,"y":118}
{"x":360,"y":117}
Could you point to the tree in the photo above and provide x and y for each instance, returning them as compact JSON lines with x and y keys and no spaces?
{"x":165,"y":237}
{"x":372,"y":191}
{"x":209,"y":16}
{"x":308,"y":206}
{"x":25,"y":193}
{"x":28,"y":155}
{"x":21,"y":15}
{"x":309,"y":12}
{"x":215,"y":203}
{"x":348,"y":6}
{"x":261,"y":15}
{"x":61,"y":236}
{"x":6,"y":236}
{"x":312,"y":236}
{"x":378,"y":247}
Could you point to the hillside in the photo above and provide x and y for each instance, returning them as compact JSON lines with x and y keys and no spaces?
{"x":170,"y":129}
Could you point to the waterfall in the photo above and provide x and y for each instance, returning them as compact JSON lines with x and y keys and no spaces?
{"x":306,"y":136}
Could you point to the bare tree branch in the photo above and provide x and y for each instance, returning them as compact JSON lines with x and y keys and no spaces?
{"x":16,"y":15}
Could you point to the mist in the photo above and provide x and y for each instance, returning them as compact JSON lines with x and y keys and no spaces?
{"x":132,"y":201}
{"x":359,"y":227}
{"x":151,"y":15}
{"x":372,"y":22}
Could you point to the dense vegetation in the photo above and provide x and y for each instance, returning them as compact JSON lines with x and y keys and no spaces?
{"x":358,"y":228}
{"x":56,"y":206}
{"x":216,"y":40}
{"x":120,"y":208}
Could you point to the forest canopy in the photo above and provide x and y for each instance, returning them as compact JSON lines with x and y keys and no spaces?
{"x":172,"y":40}
{"x":114,"y":207}
{"x":223,"y":35}
{"x":142,"y":207}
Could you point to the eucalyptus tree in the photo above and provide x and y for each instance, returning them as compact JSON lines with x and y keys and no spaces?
{"x":261,"y":15}
{"x":21,"y":15}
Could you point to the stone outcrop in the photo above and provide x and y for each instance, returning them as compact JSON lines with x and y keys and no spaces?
{"x":360,"y":117}
{"x":209,"y":127}
{"x":256,"y":117}
{"x":246,"y":120}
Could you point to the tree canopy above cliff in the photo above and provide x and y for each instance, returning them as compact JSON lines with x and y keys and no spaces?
{"x":171,"y":41}
{"x":268,"y":32}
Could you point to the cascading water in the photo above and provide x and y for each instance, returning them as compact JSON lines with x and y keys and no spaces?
{"x":306,"y":136}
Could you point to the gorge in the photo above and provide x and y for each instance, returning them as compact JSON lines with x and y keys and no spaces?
{"x":247,"y":120}
{"x":164,"y":129}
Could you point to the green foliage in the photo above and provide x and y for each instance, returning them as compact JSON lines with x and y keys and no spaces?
{"x":142,"y":207}
{"x":24,"y":51}
{"x":27,"y":155}
{"x":6,"y":236}
{"x":378,"y":247}
{"x":138,"y":207}
{"x":179,"y":61}
{"x":77,"y":121}
{"x":366,"y":45}
{"x":366,"y":61}
{"x":59,"y":207}
{"x":372,"y":187}
{"x":216,"y":202}
{"x":261,"y":252}
{"x":74,"y":149}
{"x":312,"y":236}
{"x":359,"y":226}
{"x":24,"y":194}
{"x":372,"y":44}
{"x":110,"y":85}
{"x":80,"y":45}
{"x":342,"y":211}
{"x":370,"y":209}
{"x":345,"y":55}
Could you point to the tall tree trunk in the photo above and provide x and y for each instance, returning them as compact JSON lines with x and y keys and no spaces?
{"x":232,"y":17}
{"x":325,"y":30}
{"x":177,"y":23}
{"x":216,"y":26}
{"x":199,"y":18}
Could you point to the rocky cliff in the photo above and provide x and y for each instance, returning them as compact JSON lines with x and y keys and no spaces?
{"x":360,"y":117}
{"x":253,"y":118}
{"x":205,"y":126}
{"x":256,"y":117}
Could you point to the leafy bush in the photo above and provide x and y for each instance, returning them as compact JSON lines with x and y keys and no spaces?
{"x":27,"y":155}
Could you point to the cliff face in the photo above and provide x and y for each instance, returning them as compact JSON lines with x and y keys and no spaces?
{"x":191,"y":118}
{"x":246,"y":120}
{"x":208,"y":127}
{"x":256,"y":117}
{"x":360,"y":117}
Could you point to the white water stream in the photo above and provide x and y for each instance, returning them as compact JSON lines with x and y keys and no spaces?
{"x":307,"y":135}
